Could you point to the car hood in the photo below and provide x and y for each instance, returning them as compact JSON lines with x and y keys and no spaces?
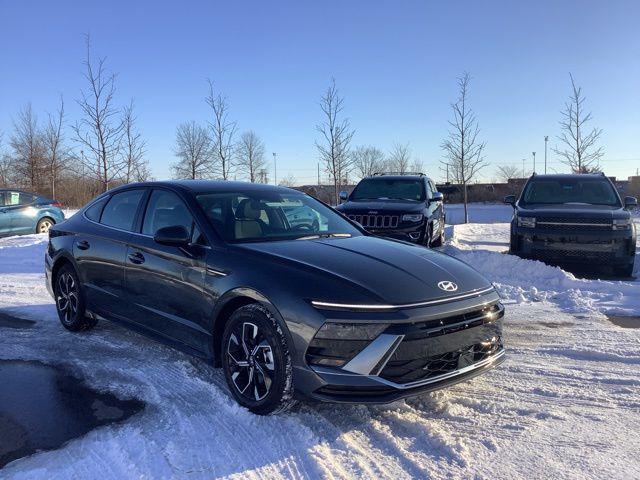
{"x":583,"y":211}
{"x":394,"y":272}
{"x":380,"y":206}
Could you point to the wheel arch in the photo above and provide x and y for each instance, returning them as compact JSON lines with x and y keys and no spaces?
{"x":232,"y":301}
{"x":62,"y":259}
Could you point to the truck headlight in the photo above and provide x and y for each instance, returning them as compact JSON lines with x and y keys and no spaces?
{"x":527,"y":222}
{"x":622,"y":224}
{"x":412,"y":217}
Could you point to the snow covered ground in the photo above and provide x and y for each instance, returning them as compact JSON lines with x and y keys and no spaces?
{"x":565,"y":404}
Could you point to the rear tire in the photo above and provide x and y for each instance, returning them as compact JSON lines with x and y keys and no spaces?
{"x":256,"y":361}
{"x":438,"y":242}
{"x":44,"y":224}
{"x":70,"y":303}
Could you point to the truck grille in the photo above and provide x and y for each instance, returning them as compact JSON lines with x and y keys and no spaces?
{"x":376,"y":221}
{"x":572,"y":223}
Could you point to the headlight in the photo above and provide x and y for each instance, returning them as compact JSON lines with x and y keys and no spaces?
{"x":622,"y":224}
{"x":412,"y":217}
{"x":527,"y":222}
{"x":350,"y":331}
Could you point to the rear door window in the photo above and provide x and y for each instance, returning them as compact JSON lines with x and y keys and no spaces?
{"x":120,"y":210}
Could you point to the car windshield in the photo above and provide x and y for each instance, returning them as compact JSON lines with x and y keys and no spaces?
{"x":270,"y":216}
{"x":590,"y":191}
{"x":389,"y":189}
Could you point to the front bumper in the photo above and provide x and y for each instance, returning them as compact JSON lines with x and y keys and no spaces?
{"x":433,"y":350}
{"x":610,"y":247}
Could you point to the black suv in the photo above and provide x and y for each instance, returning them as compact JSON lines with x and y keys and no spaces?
{"x":574,"y":219}
{"x":405,"y":207}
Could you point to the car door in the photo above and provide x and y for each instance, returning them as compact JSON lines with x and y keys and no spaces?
{"x":5,"y":219}
{"x":18,"y":216}
{"x":165,"y":283}
{"x":100,"y":250}
{"x":436,"y":210}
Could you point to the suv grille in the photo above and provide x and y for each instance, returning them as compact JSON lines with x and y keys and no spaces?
{"x":572,"y":223}
{"x":376,"y":221}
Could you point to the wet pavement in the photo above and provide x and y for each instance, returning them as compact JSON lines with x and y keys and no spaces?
{"x":624,"y":321}
{"x":43,"y":406}
{"x":9,"y":321}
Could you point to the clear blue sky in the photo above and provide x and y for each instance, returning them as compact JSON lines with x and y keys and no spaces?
{"x":395,"y":62}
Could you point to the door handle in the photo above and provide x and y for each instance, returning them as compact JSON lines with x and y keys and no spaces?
{"x":136,"y":258}
{"x":83,"y":245}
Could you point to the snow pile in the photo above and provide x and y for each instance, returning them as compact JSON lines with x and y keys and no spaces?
{"x":484,"y":246}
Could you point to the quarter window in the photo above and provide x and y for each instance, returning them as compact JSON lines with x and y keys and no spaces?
{"x":120,"y":210}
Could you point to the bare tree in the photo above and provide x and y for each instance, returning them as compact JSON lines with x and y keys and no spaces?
{"x":336,"y":137}
{"x":27,"y":144}
{"x":5,"y":165}
{"x":100,"y":131}
{"x":133,"y":149}
{"x":56,"y":152}
{"x":417,"y":166}
{"x":367,"y":160}
{"x":580,"y":151}
{"x":222,"y":133}
{"x":399,"y":158}
{"x":288,"y":181}
{"x":251,"y":155}
{"x":193,"y":149}
{"x":508,"y":172}
{"x":462,"y":148}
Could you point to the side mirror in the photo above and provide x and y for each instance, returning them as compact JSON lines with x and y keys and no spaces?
{"x":437,"y":197}
{"x":510,"y":200}
{"x":630,"y":203}
{"x":176,"y":236}
{"x":343,"y":196}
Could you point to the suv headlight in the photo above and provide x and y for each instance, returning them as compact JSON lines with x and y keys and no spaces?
{"x":622,"y":224}
{"x":412,"y":217}
{"x":527,"y":222}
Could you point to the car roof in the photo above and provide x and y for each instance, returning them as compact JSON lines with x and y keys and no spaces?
{"x":564,"y":176}
{"x":209,"y":186}
{"x":396,"y":177}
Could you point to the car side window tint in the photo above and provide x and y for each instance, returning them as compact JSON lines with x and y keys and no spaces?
{"x":120,"y":210}
{"x":165,"y":209}
{"x":94,"y":211}
{"x":13,"y":198}
{"x":429,"y":190}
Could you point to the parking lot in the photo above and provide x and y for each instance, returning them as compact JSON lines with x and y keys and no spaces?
{"x":561,"y":406}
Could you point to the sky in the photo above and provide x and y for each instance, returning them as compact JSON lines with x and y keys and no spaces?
{"x":395,"y":63}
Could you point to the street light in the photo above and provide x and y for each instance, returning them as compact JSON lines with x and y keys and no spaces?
{"x":275,"y":168}
{"x":523,"y":162}
{"x":546,"y":140}
{"x":534,"y":162}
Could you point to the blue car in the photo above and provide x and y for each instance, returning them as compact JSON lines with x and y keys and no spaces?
{"x":23,"y":213}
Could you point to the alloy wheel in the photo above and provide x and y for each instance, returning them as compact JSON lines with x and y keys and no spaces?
{"x":44,"y":226}
{"x":251,"y":361}
{"x":67,"y":297}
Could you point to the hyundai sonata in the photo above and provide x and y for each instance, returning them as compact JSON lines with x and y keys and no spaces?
{"x":318,"y":309}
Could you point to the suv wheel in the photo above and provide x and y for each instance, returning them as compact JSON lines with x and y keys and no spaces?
{"x":438,"y":242}
{"x":70,"y":303}
{"x":256,"y":361}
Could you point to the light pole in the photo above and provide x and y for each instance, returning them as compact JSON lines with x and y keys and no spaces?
{"x":275,"y":168}
{"x":534,"y":161}
{"x":546,"y":140}
{"x":523,"y":162}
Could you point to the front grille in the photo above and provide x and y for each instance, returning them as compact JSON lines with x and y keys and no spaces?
{"x":572,"y":223}
{"x":414,"y":370}
{"x":569,"y":254}
{"x":376,"y":221}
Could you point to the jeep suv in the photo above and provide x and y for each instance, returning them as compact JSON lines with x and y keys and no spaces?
{"x":576,"y":219}
{"x":406,"y":207}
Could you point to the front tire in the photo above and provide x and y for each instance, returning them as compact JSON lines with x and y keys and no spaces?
{"x":70,"y":303}
{"x":256,"y":361}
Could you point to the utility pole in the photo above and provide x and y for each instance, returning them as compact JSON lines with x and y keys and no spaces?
{"x":523,"y":162}
{"x":534,"y":162}
{"x":546,"y":140}
{"x":275,"y":168}
{"x":318,"y":173}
